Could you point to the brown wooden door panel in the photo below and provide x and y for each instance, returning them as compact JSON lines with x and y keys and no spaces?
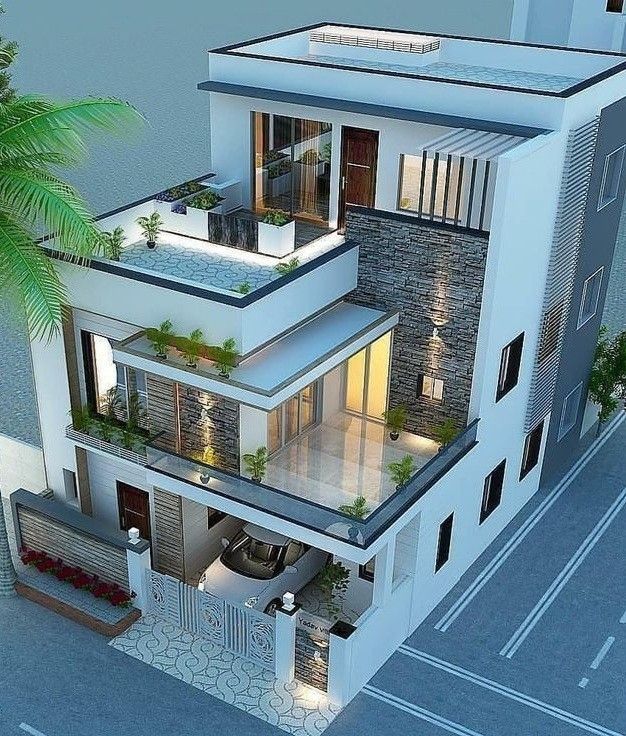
{"x":134,"y":509}
{"x":359,"y":155}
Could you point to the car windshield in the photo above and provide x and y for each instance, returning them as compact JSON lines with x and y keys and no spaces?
{"x":253,"y":558}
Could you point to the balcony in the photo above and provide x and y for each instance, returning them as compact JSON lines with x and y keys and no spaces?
{"x":285,"y":502}
{"x":134,"y":451}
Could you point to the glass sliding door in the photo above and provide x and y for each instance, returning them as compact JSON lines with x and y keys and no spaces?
{"x":367,"y":379}
{"x":292,"y":160}
{"x":293,"y":417}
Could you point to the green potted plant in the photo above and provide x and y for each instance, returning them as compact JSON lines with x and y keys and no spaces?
{"x":401,"y":471}
{"x":256,"y":463}
{"x":160,"y":338}
{"x":445,"y":432}
{"x":82,"y":420}
{"x":333,"y":581}
{"x":395,"y":419}
{"x":228,"y":357}
{"x":358,"y":508}
{"x":277,"y":233}
{"x":113,"y":242}
{"x":289,"y":267}
{"x":192,"y":348}
{"x":243,"y":288}
{"x":150,"y":228}
{"x":112,"y":406}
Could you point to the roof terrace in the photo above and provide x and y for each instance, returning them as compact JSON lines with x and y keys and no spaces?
{"x":436,"y":57}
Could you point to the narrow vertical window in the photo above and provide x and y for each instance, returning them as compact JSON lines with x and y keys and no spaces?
{"x":590,"y":298}
{"x":443,"y":542}
{"x":532,"y":447}
{"x":569,"y":412}
{"x":510,"y":366}
{"x":492,"y":491}
{"x":611,"y":177}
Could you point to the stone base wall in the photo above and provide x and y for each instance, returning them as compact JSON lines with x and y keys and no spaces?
{"x":434,"y":275}
{"x":209,"y":420}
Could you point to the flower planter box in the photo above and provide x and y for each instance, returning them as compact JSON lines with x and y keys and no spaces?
{"x":88,"y":441}
{"x":277,"y":240}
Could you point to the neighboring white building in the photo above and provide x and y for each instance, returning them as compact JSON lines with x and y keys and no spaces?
{"x":456,"y":203}
{"x":587,"y":24}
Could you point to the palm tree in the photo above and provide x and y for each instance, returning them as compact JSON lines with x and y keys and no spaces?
{"x":37,"y":135}
{"x":7,"y":570}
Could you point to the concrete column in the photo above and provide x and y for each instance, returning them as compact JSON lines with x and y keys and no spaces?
{"x":383,"y":573}
{"x":7,"y":569}
{"x":139,"y":561}
{"x":285,"y":646}
{"x":340,"y":663}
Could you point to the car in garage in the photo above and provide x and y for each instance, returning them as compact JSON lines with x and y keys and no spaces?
{"x":258,"y":566}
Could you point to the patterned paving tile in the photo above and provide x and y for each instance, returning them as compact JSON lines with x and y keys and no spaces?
{"x":292,"y":707}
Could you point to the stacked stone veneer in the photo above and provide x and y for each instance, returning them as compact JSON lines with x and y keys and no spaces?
{"x":434,"y":275}
{"x":190,"y":420}
{"x":209,"y":420}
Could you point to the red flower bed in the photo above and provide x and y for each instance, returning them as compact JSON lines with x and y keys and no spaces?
{"x":77,"y":577}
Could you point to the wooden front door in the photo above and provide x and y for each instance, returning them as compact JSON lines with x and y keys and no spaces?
{"x":134,"y":506}
{"x":359,"y":154}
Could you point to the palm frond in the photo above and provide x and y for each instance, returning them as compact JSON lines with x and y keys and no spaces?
{"x":33,"y":124}
{"x":44,"y":200}
{"x":28,"y":274}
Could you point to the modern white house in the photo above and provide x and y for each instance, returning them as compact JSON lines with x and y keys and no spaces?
{"x":451,"y":207}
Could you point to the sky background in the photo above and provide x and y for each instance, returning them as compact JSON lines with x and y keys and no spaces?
{"x":152,"y":54}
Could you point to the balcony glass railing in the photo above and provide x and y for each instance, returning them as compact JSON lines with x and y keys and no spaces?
{"x":322,"y":519}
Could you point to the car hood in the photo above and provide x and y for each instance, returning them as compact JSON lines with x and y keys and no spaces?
{"x":225,"y":583}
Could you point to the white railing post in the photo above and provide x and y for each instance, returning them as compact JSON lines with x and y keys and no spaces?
{"x":383,"y":574}
{"x":340,"y":663}
{"x":285,"y":641}
{"x":139,"y":561}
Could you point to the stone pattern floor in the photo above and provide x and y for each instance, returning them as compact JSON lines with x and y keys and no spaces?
{"x":292,"y":707}
{"x":213,"y":265}
{"x":462,"y":72}
{"x":344,"y":457}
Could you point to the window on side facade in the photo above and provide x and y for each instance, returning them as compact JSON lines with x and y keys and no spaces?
{"x":444,"y":540}
{"x":492,"y":491}
{"x":611,"y":177}
{"x":532,"y":447}
{"x":614,"y":6}
{"x":590,"y":297}
{"x":430,"y":387}
{"x":510,"y":366}
{"x":551,"y":332}
{"x":569,"y":412}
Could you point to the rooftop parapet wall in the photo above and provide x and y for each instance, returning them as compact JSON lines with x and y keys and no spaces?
{"x":434,"y":275}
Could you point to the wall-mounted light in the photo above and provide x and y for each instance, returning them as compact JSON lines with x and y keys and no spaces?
{"x":435,"y":331}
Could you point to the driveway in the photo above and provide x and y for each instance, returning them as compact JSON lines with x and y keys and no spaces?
{"x":533,"y":639}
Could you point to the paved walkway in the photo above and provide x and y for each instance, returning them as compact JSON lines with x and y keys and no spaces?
{"x":293,"y":708}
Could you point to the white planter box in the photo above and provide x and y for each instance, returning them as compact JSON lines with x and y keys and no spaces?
{"x":275,"y":240}
{"x":195,"y":223}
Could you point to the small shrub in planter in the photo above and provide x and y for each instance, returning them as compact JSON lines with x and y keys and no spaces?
{"x":358,"y":508}
{"x":445,"y":432}
{"x":243,"y":288}
{"x":401,"y":471}
{"x":192,"y":348}
{"x":181,"y":190}
{"x":113,"y":243}
{"x":207,"y":200}
{"x":83,"y":581}
{"x":276,"y":217}
{"x":277,"y":233}
{"x":227,"y":361}
{"x":160,"y":337}
{"x":256,"y":463}
{"x":150,"y":228}
{"x":288,"y":267}
{"x":395,"y":419}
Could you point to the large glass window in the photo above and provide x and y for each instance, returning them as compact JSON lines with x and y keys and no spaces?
{"x":367,"y":378}
{"x":293,"y":417}
{"x":101,"y":374}
{"x":292,"y":165}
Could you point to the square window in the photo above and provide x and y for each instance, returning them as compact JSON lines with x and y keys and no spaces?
{"x":551,"y":332}
{"x":509,"y":366}
{"x":492,"y":491}
{"x":532,"y":447}
{"x":443,"y":542}
{"x":590,"y":297}
{"x":430,"y":387}
{"x":569,"y":413}
{"x":614,"y":6}
{"x":611,"y":177}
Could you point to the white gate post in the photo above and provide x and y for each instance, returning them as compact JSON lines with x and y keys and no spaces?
{"x":285,"y":639}
{"x":139,"y":560}
{"x":340,"y":663}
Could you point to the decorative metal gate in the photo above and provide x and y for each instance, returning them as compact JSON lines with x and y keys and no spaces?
{"x":243,"y":631}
